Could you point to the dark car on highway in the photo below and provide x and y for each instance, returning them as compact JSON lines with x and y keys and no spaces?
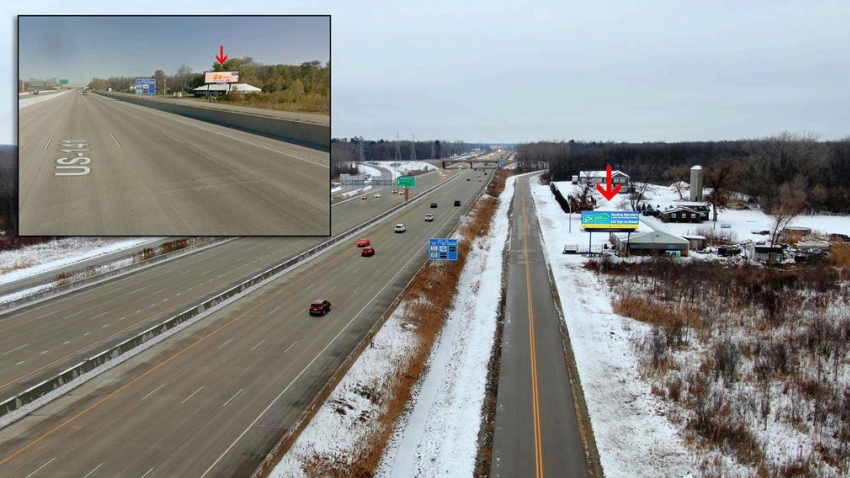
{"x":457,"y":203}
{"x":320,"y":307}
{"x":367,"y":251}
{"x":433,"y":204}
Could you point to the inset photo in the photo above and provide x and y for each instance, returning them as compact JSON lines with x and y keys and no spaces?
{"x":174,"y":125}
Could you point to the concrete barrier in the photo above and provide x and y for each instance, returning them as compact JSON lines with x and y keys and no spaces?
{"x":47,"y":386}
{"x":306,"y":134}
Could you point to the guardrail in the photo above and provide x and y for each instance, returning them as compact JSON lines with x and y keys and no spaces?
{"x":53,"y":383}
{"x":309,"y":134}
{"x":87,"y":281}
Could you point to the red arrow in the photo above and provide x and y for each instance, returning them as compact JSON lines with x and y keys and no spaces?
{"x":221,"y":57}
{"x":608,"y":192}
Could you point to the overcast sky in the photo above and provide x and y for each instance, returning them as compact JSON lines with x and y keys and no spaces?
{"x":82,"y":48}
{"x":518,"y":71}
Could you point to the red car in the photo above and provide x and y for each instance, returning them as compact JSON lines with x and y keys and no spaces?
{"x":363,"y":243}
{"x":320,"y":307}
{"x":367,"y":251}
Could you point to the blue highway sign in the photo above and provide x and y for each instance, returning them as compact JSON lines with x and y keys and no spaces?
{"x":442,"y":249}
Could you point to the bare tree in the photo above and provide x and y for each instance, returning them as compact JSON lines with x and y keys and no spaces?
{"x":721,"y":177}
{"x":675,"y":174}
{"x":788,"y":204}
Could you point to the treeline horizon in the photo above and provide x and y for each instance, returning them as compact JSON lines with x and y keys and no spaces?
{"x":772,"y":169}
{"x":345,"y":152}
{"x":307,"y":84}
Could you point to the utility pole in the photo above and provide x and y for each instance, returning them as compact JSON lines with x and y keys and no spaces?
{"x":433,"y":151}
{"x":413,"y":149}
{"x":361,"y":149}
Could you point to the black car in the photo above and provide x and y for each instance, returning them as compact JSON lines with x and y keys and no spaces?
{"x":457,"y":203}
{"x":433,"y":204}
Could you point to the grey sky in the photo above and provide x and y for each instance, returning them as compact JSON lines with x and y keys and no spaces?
{"x":518,"y":71}
{"x":81,"y":48}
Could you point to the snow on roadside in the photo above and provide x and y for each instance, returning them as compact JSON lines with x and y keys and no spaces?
{"x":443,"y":424}
{"x":439,"y":436}
{"x":632,"y":435}
{"x":402,"y":168}
{"x":24,"y":102}
{"x":38,"y":258}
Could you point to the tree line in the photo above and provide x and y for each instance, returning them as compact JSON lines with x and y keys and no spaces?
{"x":779,"y":171}
{"x":307,"y":83}
{"x":345,"y":152}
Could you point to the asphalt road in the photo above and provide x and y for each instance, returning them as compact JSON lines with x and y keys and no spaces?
{"x":211,"y":401}
{"x":536,"y":432}
{"x":157,"y":174}
{"x":43,"y":339}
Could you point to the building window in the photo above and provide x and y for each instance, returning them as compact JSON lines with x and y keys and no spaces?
{"x":693,"y":216}
{"x":673,"y":215}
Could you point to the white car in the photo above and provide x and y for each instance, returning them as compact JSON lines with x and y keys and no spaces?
{"x":400,"y":228}
{"x":377,"y":195}
{"x":429,"y":217}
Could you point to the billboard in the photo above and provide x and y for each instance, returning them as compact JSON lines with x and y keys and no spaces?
{"x":145,"y":86}
{"x":610,"y":220}
{"x":440,"y":249}
{"x":221,"y":77}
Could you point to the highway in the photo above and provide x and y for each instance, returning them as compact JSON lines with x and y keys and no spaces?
{"x":212,"y":400}
{"x":41,"y":340}
{"x":130,"y":170}
{"x":536,"y":432}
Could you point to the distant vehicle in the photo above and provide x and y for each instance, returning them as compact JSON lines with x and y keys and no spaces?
{"x":377,"y":195}
{"x":35,"y":92}
{"x":468,"y":179}
{"x":480,"y":180}
{"x":725,"y":225}
{"x":400,"y":228}
{"x":320,"y":307}
{"x":485,"y":174}
{"x":363,"y":198}
{"x":429,"y":217}
{"x":364,"y":242}
{"x":85,"y":92}
{"x":457,"y":203}
{"x":433,"y":204}
{"x":367,"y":251}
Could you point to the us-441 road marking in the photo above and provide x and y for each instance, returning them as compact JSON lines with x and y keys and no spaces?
{"x":75,"y":165}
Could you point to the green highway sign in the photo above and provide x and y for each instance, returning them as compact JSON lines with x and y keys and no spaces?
{"x":405,"y":182}
{"x":63,"y":81}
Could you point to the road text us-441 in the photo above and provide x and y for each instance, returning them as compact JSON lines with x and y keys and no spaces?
{"x":76,"y":165}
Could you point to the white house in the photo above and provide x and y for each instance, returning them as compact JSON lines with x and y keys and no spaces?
{"x":600,"y":177}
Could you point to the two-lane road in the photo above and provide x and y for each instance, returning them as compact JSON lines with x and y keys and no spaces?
{"x":97,"y":166}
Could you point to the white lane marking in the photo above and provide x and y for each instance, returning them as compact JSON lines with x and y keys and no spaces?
{"x":86,"y":334}
{"x":178,"y":294}
{"x":293,"y":344}
{"x":332,"y":288}
{"x":231,"y":398}
{"x":190,"y":288}
{"x":43,"y":352}
{"x":148,"y":473}
{"x":185,"y":272}
{"x":19,"y":362}
{"x":74,"y":315}
{"x":160,"y":290}
{"x":113,"y":139}
{"x":98,"y":315}
{"x":355,"y":290}
{"x":275,"y":310}
{"x":16,"y":348}
{"x":152,"y":306}
{"x":355,"y":271}
{"x":192,"y":395}
{"x":122,"y":318}
{"x":252,"y":348}
{"x":49,"y":313}
{"x":270,"y":405}
{"x":165,"y":299}
{"x":228,"y":341}
{"x":48,"y":142}
{"x":138,"y":311}
{"x":105,"y":326}
{"x":154,"y":391}
{"x":95,"y":469}
{"x":66,"y":342}
{"x":40,"y":467}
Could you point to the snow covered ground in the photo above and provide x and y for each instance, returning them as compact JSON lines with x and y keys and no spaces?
{"x":38,"y":258}
{"x":402,"y":167}
{"x":439,"y":436}
{"x":632,"y":435}
{"x":742,"y":222}
{"x":445,"y":421}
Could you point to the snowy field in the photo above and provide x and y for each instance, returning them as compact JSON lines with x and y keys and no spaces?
{"x":439,"y":435}
{"x":743,"y":222}
{"x":38,"y":258}
{"x":445,"y":420}
{"x":402,"y":168}
{"x":633,"y":436}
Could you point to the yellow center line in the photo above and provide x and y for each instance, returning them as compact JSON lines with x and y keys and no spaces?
{"x":538,"y":438}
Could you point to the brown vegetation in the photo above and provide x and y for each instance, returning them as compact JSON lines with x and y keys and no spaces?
{"x":426,"y":310}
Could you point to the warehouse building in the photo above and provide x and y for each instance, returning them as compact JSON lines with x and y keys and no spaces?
{"x":649,"y":243}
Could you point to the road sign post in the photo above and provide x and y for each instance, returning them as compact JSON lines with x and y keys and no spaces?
{"x":405,"y":182}
{"x":442,"y":249}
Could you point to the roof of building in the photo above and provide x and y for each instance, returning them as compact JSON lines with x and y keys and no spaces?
{"x":691,"y":236}
{"x":596,"y":174}
{"x":696,"y":167}
{"x":679,"y":208}
{"x":692,"y":203}
{"x":223,"y":87}
{"x":653,"y":237}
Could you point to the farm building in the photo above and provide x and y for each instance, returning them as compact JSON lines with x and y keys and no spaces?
{"x":761,"y":252}
{"x":686,"y":212}
{"x":647,"y":243}
{"x":696,"y":242}
{"x":600,"y":177}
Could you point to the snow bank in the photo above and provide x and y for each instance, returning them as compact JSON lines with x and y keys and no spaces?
{"x":402,"y":168}
{"x":39,"y":258}
{"x":439,"y":437}
{"x":632,"y":435}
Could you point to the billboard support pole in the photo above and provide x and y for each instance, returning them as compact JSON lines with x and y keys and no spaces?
{"x":629,"y":244}
{"x":590,"y":243}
